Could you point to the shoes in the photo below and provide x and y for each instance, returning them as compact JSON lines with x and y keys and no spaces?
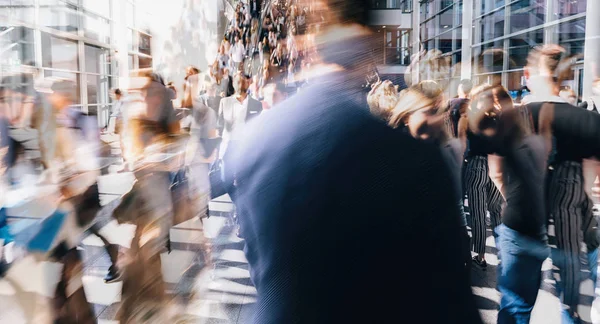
{"x":481,"y":264}
{"x":113,"y":275}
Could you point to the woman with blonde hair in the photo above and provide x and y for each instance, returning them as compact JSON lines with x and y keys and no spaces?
{"x":421,"y":117}
{"x":382,"y":98}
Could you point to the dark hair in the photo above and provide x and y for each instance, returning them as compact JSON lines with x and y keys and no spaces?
{"x":118,"y":92}
{"x":467,"y":85}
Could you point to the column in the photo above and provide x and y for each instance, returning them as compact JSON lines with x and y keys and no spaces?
{"x":119,"y":37}
{"x":549,"y":32}
{"x":416,"y":36}
{"x":591,"y":69}
{"x":466,"y":66}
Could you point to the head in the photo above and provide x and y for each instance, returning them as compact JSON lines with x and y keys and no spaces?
{"x":117,"y":94}
{"x":464,"y":88}
{"x":63,"y":94}
{"x":240,"y":83}
{"x":596,"y":87}
{"x":274,"y":93}
{"x":433,"y":91}
{"x":419,"y":115}
{"x":382,"y":99}
{"x":191,"y":70}
{"x":492,"y":114}
{"x":547,"y":66}
{"x":569,"y":96}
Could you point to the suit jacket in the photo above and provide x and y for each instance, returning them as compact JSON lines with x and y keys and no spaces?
{"x":226,"y":118}
{"x":337,"y":209}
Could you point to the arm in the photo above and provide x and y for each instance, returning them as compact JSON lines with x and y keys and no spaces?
{"x":220,"y":119}
{"x":463,"y":124}
{"x":496,"y":169}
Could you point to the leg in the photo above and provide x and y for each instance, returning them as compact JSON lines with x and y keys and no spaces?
{"x":494,"y":206}
{"x":519,"y":278}
{"x":564,"y":196}
{"x":475,"y":185}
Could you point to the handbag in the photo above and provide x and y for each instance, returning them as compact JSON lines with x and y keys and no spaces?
{"x":215,"y":175}
{"x":183,"y":209}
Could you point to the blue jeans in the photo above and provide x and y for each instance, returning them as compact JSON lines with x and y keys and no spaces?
{"x":519,"y":274}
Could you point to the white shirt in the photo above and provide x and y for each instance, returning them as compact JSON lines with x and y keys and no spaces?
{"x":237,"y":52}
{"x":237,"y":118}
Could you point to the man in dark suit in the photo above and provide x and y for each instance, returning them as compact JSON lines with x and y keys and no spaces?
{"x":337,"y":210}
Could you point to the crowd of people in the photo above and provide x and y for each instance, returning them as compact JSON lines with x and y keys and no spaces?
{"x":326,"y":185}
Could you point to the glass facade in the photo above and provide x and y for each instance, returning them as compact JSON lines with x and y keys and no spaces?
{"x":503,"y":33}
{"x":75,"y":40}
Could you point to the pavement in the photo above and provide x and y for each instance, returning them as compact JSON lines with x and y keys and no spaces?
{"x":223,"y":292}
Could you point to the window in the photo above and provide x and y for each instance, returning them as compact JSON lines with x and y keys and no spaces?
{"x":22,"y":10}
{"x":129,"y":14}
{"x":98,"y":89}
{"x":492,"y":26}
{"x":100,"y":7}
{"x":571,"y":36}
{"x":97,"y":60}
{"x":519,"y":46}
{"x":17,"y":46}
{"x":566,"y":8}
{"x":59,"y":53}
{"x":96,"y":28}
{"x":145,"y":62}
{"x":131,"y":62}
{"x":144,"y":44}
{"x":527,"y":14}
{"x":445,"y":43}
{"x":132,"y":40}
{"x":489,"y":5}
{"x":446,"y":19}
{"x":74,"y":77}
{"x":492,"y":57}
{"x":59,"y":15}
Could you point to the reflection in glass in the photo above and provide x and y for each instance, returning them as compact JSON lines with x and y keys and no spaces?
{"x":67,"y":76}
{"x":144,"y":43}
{"x":98,"y":89}
{"x":59,"y":15}
{"x":492,"y":26}
{"x":491,"y":58}
{"x":566,"y":8}
{"x":526,"y":14}
{"x":145,"y":62}
{"x":489,"y":5}
{"x":96,"y":28}
{"x":446,"y":20}
{"x":16,"y":45}
{"x":571,"y":36}
{"x":519,"y":46}
{"x":59,"y":53}
{"x":97,"y":60}
{"x":98,"y":6}
{"x":446,"y":43}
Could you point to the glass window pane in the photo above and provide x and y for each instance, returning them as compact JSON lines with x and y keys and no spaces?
{"x":129,"y":14}
{"x":132,"y":40}
{"x":492,"y":57}
{"x":59,"y":15}
{"x":145,"y":62}
{"x":446,"y":20}
{"x":519,"y":46}
{"x":144,"y":44}
{"x":98,"y":6}
{"x":527,"y":14}
{"x":566,"y":8}
{"x":98,"y":89}
{"x":445,"y":43}
{"x":492,"y":26}
{"x":432,"y":29}
{"x":96,"y":28}
{"x":67,"y":76}
{"x":18,"y":10}
{"x":59,"y":53}
{"x":489,"y":5}
{"x":571,"y":36}
{"x":17,"y":46}
{"x":131,"y":62}
{"x":97,"y":60}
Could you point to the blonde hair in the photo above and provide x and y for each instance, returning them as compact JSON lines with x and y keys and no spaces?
{"x":409,"y":102}
{"x":382,"y":98}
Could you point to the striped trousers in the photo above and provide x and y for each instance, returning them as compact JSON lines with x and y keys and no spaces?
{"x":571,"y":209}
{"x":483,"y":196}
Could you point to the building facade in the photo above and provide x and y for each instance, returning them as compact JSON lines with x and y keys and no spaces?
{"x":487,"y":40}
{"x":96,"y":43}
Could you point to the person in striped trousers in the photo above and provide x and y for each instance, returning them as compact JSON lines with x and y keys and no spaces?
{"x":482,"y":194}
{"x":575,"y":135}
